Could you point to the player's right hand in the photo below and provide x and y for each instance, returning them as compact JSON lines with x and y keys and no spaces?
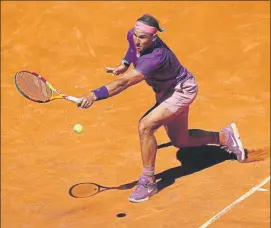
{"x":87,"y":100}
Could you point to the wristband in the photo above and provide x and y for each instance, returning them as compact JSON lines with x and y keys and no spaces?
{"x":101,"y":93}
{"x":125,"y":63}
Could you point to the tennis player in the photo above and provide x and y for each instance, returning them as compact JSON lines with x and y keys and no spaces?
{"x":175,"y":89}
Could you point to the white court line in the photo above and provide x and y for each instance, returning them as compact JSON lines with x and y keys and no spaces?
{"x":251,"y":191}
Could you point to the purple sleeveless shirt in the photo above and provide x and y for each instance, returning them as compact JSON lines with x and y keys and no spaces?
{"x":159,"y":65}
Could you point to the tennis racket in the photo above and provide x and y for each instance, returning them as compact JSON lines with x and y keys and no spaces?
{"x":36,"y":88}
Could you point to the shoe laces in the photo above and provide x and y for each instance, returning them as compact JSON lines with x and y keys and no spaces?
{"x":142,"y":184}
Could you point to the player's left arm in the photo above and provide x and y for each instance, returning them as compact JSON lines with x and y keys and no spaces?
{"x":113,"y":88}
{"x":128,"y":58}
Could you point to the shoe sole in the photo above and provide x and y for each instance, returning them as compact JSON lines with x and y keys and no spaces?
{"x":240,"y":145}
{"x":138,"y":201}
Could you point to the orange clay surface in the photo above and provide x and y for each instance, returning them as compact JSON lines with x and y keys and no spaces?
{"x":227,"y":47}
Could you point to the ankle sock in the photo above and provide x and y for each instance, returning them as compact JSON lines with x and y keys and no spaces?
{"x":148,"y":172}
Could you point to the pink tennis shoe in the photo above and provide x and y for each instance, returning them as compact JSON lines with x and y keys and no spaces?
{"x":233,"y":142}
{"x":144,"y":190}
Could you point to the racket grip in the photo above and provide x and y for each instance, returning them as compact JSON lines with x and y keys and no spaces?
{"x":74,"y":99}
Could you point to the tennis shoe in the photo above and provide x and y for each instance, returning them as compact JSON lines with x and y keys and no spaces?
{"x":144,"y":190}
{"x":233,"y":142}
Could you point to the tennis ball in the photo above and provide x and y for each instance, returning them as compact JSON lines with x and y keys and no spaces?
{"x":78,"y":128}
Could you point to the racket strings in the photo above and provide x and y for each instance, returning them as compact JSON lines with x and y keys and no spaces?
{"x":33,"y":87}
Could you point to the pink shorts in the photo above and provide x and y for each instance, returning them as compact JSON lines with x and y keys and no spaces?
{"x":181,"y":97}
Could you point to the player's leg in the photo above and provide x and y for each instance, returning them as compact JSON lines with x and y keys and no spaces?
{"x":181,"y":136}
{"x":156,"y":117}
{"x":177,"y":128}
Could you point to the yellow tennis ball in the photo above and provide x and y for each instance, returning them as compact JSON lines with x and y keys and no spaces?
{"x":78,"y":128}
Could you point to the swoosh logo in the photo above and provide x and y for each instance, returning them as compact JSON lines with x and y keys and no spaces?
{"x":149,"y":191}
{"x":234,"y":143}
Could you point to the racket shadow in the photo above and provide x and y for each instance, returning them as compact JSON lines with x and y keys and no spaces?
{"x":89,"y":189}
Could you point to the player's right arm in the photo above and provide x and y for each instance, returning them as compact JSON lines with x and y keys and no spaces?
{"x":122,"y":83}
{"x":113,"y":88}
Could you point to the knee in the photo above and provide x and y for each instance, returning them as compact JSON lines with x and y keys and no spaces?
{"x":145,"y":127}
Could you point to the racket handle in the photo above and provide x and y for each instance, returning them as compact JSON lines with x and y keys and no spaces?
{"x":74,"y":99}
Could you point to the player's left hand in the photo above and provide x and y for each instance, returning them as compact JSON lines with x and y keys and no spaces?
{"x":87,"y":100}
{"x":116,"y":70}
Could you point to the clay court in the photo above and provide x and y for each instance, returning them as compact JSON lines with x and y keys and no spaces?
{"x":226,"y":45}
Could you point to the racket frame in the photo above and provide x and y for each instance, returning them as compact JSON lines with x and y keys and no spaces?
{"x":53,"y":97}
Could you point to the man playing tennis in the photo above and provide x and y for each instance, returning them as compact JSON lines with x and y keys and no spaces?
{"x":175,"y":89}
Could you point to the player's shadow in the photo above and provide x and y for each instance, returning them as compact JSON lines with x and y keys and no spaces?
{"x":193,"y":159}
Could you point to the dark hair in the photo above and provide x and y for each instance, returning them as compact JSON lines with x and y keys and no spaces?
{"x":151,"y":21}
